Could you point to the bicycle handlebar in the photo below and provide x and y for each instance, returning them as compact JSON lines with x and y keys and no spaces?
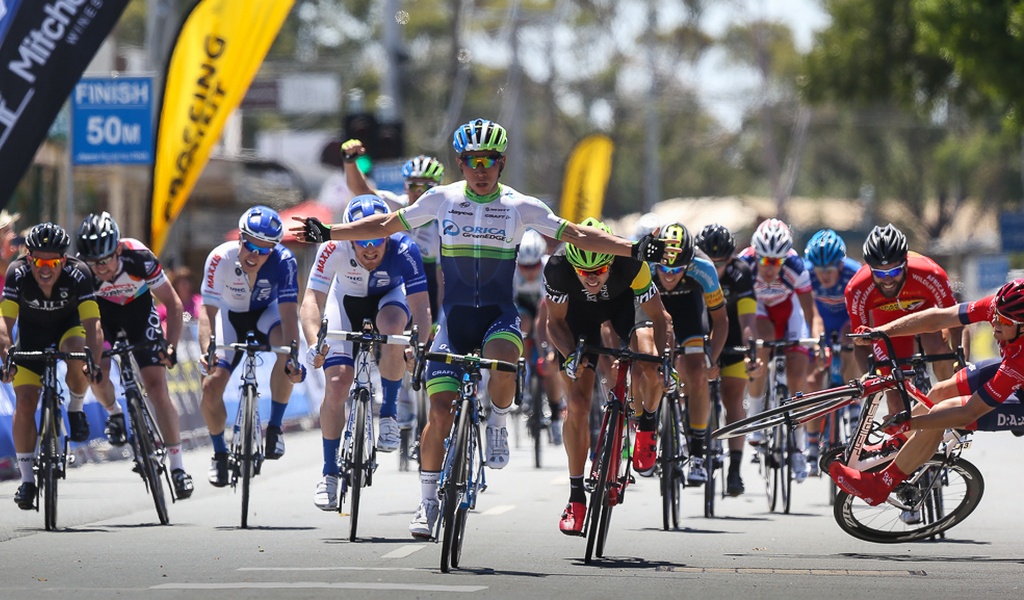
{"x":49,"y":353}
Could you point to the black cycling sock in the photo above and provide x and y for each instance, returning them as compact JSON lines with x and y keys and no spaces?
{"x":697,"y":443}
{"x":576,"y":491}
{"x":735,"y":460}
{"x":648,"y":421}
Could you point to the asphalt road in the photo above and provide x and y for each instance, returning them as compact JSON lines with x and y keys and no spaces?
{"x":109,"y":545}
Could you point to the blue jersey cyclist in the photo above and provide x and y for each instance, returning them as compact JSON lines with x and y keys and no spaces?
{"x":249,"y":285}
{"x":481,"y":223}
{"x":381,"y":280}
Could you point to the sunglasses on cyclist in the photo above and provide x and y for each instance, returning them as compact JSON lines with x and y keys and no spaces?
{"x":251,"y":247}
{"x":41,"y":263}
{"x":671,"y":270}
{"x":374,"y":243}
{"x":829,"y":270}
{"x":486,"y":162}
{"x":768,"y":261}
{"x":100,"y":262}
{"x":998,"y":317}
{"x":420,"y":187}
{"x":892,"y":273}
{"x":595,"y":272}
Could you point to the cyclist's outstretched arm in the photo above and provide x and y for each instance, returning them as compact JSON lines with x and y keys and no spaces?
{"x":927,"y":321}
{"x":354,"y":178}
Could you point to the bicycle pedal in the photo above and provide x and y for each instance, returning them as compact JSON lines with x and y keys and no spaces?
{"x":631,"y":479}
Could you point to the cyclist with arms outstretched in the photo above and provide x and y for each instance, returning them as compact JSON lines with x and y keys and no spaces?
{"x":481,"y":223}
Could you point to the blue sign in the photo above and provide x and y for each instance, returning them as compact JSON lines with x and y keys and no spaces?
{"x":1011,"y":231}
{"x":388,"y":177}
{"x":992,"y":271}
{"x":112,"y":121}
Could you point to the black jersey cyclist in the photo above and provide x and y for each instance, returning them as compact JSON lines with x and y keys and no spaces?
{"x":583,"y":290}
{"x":51,"y":298}
{"x":737,"y":282}
{"x":691,"y":293}
{"x":127,"y":275}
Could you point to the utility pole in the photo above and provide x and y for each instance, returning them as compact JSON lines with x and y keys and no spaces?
{"x":652,"y":166}
{"x":392,"y":38}
{"x":516,"y":147}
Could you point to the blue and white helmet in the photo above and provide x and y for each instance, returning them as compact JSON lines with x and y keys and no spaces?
{"x":262,"y":223}
{"x":364,"y":206}
{"x":825,"y":249}
{"x":480,"y":135}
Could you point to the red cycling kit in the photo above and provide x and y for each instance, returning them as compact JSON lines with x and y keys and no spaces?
{"x":926,"y":286}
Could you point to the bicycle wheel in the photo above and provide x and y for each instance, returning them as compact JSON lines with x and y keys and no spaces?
{"x":669,"y":458}
{"x":49,"y":461}
{"x":152,"y":468}
{"x":454,"y":487}
{"x":536,"y":420}
{"x":786,"y":476}
{"x":770,"y":465}
{"x":804,"y":408}
{"x":462,"y":511}
{"x":247,"y":458}
{"x":712,"y":456}
{"x":600,"y":473}
{"x":616,"y":481}
{"x":357,"y":466}
{"x":962,"y":491}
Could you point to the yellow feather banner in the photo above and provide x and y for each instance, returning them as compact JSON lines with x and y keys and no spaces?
{"x":586,"y":178}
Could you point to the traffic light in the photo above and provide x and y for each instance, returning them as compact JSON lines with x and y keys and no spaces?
{"x":389,"y":141}
{"x":363,"y":127}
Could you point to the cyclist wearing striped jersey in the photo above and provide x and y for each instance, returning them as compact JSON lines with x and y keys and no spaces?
{"x":51,"y":298}
{"x":481,"y":223}
{"x":127,"y":276}
{"x":983,"y":397}
{"x":583,"y":290}
{"x":381,"y":280}
{"x":737,"y":282}
{"x":895,"y":282}
{"x":421,"y":173}
{"x":785,"y":308}
{"x":249,"y":285}
{"x":691,"y":292}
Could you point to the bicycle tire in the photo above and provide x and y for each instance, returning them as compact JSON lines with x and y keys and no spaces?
{"x":807,"y":407}
{"x":711,"y":455}
{"x":455,"y":485}
{"x":671,"y":482}
{"x":788,"y":443}
{"x":600,"y":471}
{"x":615,"y":483}
{"x":49,"y":456}
{"x":536,"y":420}
{"x":151,"y":467}
{"x":462,"y":512}
{"x":881,"y":524}
{"x":404,"y":449}
{"x":771,"y":459}
{"x":247,"y":462}
{"x":358,"y":465}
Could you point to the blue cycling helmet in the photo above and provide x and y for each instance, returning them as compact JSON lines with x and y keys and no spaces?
{"x":262,"y":223}
{"x":826,"y":249}
{"x":364,"y":206}
{"x":480,"y":135}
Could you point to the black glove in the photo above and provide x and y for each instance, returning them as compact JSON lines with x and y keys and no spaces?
{"x":649,"y":249}
{"x":171,"y":354}
{"x":316,"y":232}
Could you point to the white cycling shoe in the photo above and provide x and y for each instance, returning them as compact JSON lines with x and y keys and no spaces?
{"x":497,"y":447}
{"x":422,"y":525}
{"x":326,"y":496}
{"x":390,"y":435}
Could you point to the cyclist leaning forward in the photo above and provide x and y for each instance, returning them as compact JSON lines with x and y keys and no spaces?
{"x":690,"y":291}
{"x":584,"y":290}
{"x":481,"y":224}
{"x":127,"y":275}
{"x":381,"y":280}
{"x":51,"y":298}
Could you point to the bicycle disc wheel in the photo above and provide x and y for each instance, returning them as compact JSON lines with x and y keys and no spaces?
{"x":151,"y":466}
{"x":49,"y":457}
{"x":799,"y":410}
{"x":455,"y":488}
{"x":247,"y":462}
{"x":358,"y":466}
{"x":606,"y":448}
{"x":671,"y":482}
{"x":960,"y":485}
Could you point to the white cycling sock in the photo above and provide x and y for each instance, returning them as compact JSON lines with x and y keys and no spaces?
{"x":75,"y":401}
{"x":25,"y":460}
{"x":174,"y":452}
{"x":114,"y":409}
{"x":428,"y":485}
{"x":497,"y":416}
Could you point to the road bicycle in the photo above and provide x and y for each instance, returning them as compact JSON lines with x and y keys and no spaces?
{"x":357,"y":460}
{"x":714,"y":453}
{"x":146,"y":443}
{"x":462,"y":476}
{"x":535,"y":405}
{"x":673,"y":454}
{"x":611,"y":467}
{"x":944,"y":491}
{"x":51,"y":452}
{"x":245,"y":455}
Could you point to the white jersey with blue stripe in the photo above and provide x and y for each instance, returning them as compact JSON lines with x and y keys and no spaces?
{"x":227,"y":286}
{"x":336,"y":261}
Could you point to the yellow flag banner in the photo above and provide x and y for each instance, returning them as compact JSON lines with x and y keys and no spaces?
{"x":218,"y":51}
{"x":586,"y":178}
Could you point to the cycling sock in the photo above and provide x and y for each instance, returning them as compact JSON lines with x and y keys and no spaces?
{"x":428,"y":485}
{"x":576,"y":491}
{"x":174,"y":452}
{"x":497,"y":416}
{"x":735,"y":460}
{"x":75,"y":401}
{"x":114,"y":409}
{"x":648,"y":421}
{"x":219,"y":445}
{"x":25,"y":462}
{"x":331,"y":448}
{"x":697,"y":441}
{"x":277,"y":413}
{"x":389,"y":407}
{"x":813,"y":440}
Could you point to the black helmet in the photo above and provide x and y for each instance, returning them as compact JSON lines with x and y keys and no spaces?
{"x":98,"y":236}
{"x":716,"y":241}
{"x":679,"y":233}
{"x":48,"y":237}
{"x":885,"y":247}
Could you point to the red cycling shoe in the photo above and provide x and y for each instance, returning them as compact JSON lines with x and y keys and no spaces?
{"x":572,"y":519}
{"x":645,"y":451}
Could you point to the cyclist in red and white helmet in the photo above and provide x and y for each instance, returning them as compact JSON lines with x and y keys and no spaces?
{"x":982,"y":397}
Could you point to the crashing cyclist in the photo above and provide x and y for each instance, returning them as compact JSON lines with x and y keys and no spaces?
{"x":585,"y":289}
{"x":127,"y":276}
{"x":50,"y":297}
{"x":481,"y":223}
{"x":381,"y":280}
{"x":249,"y":285}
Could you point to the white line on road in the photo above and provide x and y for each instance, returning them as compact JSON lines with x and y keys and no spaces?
{"x":403,"y":551}
{"x":756,"y":571}
{"x":498,"y":510}
{"x":329,"y":569}
{"x":320,"y":585}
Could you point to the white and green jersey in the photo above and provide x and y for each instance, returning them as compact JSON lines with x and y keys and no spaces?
{"x":479,"y":238}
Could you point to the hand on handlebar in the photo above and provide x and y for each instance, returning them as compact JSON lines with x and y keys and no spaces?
{"x":755,"y":368}
{"x":572,"y":366}
{"x":897,"y":424}
{"x":863,"y":341}
{"x":93,"y":372}
{"x":316,"y":358}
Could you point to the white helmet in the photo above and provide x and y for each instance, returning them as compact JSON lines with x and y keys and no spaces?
{"x":772,"y":239}
{"x":647,"y":224}
{"x":531,"y":249}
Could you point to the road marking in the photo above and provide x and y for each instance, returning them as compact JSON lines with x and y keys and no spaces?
{"x":498,"y":510}
{"x":753,"y":571}
{"x":404,"y":551}
{"x":329,"y":569}
{"x":321,"y":585}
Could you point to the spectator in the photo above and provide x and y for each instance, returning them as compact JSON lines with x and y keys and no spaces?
{"x":8,"y":250}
